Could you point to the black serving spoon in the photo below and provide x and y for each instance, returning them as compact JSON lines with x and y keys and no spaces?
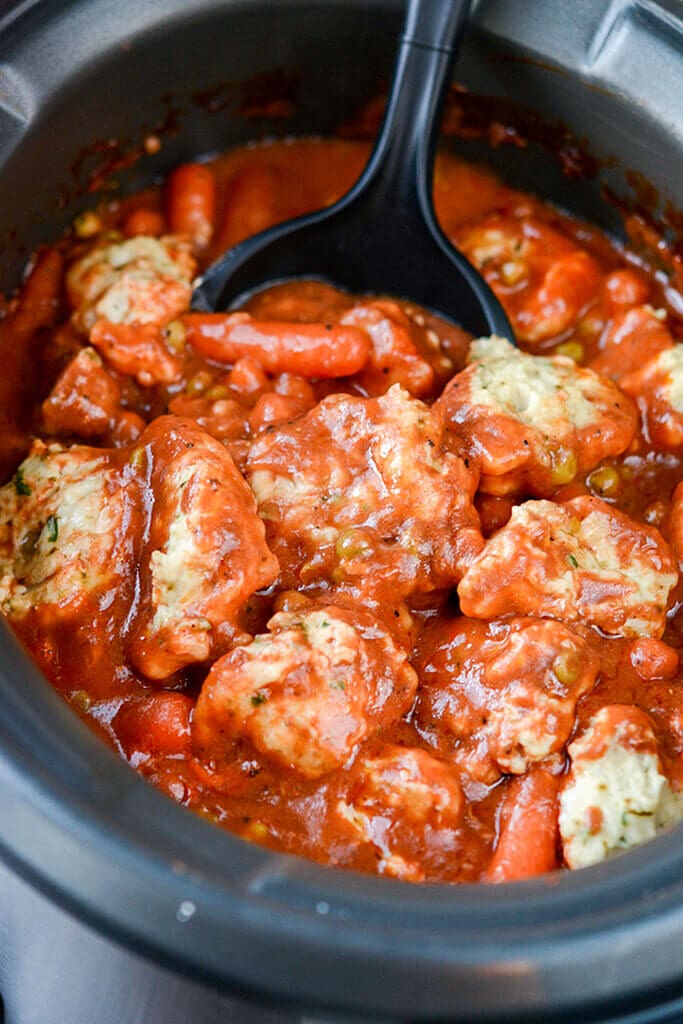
{"x":382,"y":236}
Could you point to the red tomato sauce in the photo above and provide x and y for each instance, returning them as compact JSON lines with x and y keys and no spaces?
{"x":375,"y":732}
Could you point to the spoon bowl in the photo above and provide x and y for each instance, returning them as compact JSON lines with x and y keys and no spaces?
{"x":382,"y":236}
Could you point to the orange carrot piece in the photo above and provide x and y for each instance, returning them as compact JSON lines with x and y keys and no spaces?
{"x":310,"y":350}
{"x":626,"y":288}
{"x":273,"y":408}
{"x":144,"y":221}
{"x":156,"y":724}
{"x":21,"y":338}
{"x":250,"y":207}
{"x":38,"y":304}
{"x":191,"y":202}
{"x":653,"y":659}
{"x":528,"y":837}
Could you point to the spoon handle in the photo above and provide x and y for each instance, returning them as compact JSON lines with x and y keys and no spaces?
{"x":399,"y":174}
{"x":436,"y":24}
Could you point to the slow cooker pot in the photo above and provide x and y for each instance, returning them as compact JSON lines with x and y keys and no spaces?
{"x":115,"y":904}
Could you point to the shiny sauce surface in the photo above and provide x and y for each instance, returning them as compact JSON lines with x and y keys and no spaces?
{"x":335,"y":466}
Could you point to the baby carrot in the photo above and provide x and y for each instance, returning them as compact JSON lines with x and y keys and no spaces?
{"x":311,"y":350}
{"x":527,"y":841}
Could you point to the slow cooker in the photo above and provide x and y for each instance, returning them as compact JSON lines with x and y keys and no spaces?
{"x":116,"y":906}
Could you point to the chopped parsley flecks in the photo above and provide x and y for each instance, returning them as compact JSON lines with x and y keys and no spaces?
{"x":20,"y":484}
{"x":52,"y":529}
